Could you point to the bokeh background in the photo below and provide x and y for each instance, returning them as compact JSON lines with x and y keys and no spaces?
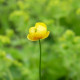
{"x":19,"y":57}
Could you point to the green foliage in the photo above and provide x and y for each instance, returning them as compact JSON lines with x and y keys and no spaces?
{"x":19,"y":58}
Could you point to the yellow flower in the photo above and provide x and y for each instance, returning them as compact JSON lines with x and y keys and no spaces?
{"x":38,"y":32}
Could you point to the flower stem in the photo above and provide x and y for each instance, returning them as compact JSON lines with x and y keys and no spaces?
{"x":40,"y":61}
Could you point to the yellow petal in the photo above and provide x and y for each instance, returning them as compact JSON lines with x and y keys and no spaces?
{"x":41,"y":24}
{"x":32,"y":30}
{"x":32,"y":37}
{"x":41,"y":30}
{"x":41,"y":27}
{"x":47,"y":34}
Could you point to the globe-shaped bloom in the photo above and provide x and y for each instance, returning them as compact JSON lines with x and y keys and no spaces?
{"x":38,"y":32}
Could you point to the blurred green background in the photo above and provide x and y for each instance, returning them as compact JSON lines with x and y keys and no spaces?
{"x":19,"y":57}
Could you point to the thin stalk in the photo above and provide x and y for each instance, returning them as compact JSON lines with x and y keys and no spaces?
{"x":40,"y":61}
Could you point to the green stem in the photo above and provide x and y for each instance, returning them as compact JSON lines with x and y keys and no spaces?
{"x":40,"y":61}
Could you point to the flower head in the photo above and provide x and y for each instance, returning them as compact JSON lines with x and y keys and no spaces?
{"x":38,"y":32}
